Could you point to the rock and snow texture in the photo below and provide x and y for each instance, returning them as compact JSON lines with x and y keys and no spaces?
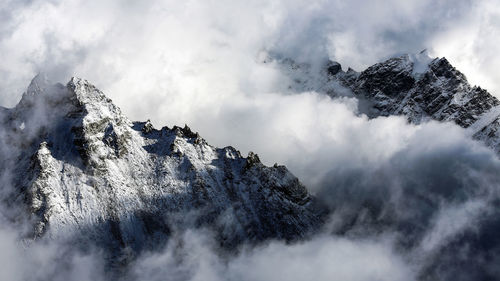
{"x":415,"y":86}
{"x":80,"y":166}
{"x":84,"y":171}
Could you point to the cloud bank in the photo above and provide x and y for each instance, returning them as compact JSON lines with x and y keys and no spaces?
{"x":323,"y":258}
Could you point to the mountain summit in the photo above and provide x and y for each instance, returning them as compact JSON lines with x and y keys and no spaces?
{"x":83,"y":169}
{"x":413,"y":85}
{"x":85,"y":174}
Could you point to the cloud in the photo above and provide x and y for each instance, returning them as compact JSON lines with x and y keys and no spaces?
{"x":323,"y":258}
{"x":471,"y":43}
{"x":45,"y":260}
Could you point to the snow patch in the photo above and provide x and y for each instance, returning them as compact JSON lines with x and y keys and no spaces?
{"x":484,"y":120}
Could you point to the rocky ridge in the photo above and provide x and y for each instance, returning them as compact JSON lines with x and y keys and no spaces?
{"x":80,"y":166}
{"x":415,"y":86}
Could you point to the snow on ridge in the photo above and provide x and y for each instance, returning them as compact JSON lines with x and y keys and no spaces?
{"x":90,"y":172}
{"x":484,"y":120}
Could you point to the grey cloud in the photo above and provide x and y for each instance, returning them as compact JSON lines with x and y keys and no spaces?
{"x":45,"y":260}
{"x":323,"y":258}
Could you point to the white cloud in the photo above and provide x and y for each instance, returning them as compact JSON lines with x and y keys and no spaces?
{"x":471,"y":43}
{"x":45,"y":260}
{"x":324,"y":258}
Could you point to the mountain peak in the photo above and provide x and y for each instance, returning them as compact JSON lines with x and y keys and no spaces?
{"x":96,"y":105}
{"x":38,"y":84}
{"x":441,"y":67}
{"x":87,"y":170}
{"x":416,"y":86}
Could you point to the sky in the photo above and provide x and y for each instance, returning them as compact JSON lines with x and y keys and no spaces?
{"x":198,"y":63}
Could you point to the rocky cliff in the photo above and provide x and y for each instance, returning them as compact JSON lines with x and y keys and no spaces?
{"x":83,"y":169}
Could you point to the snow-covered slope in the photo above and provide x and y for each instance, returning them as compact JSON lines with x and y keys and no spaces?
{"x":81,"y":167}
{"x":415,"y":86}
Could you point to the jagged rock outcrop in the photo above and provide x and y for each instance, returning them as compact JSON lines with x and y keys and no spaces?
{"x":83,"y":169}
{"x":422,"y":194}
{"x":439,"y":92}
{"x":415,"y":86}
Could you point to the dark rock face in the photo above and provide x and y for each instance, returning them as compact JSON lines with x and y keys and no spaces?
{"x":414,"y":86}
{"x":441,"y":92}
{"x":366,"y":205}
{"x":333,"y":67}
{"x":374,"y":80}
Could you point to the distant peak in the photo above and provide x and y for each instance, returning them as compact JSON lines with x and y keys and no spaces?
{"x":38,"y":84}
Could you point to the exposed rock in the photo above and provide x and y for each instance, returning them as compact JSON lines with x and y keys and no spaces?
{"x":148,"y":127}
{"x":333,"y":67}
{"x":415,"y":86}
{"x":84,"y":169}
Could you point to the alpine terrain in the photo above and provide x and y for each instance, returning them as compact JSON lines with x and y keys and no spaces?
{"x":414,"y":85}
{"x":442,"y":208}
{"x":78,"y":170}
{"x":82,"y":169}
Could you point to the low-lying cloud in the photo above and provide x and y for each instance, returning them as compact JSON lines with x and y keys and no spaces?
{"x":323,"y":258}
{"x":45,"y":259}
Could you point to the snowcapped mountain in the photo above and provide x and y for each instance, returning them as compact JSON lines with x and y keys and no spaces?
{"x":424,"y":195}
{"x":416,"y":86}
{"x":83,"y":171}
{"x":82,"y":168}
